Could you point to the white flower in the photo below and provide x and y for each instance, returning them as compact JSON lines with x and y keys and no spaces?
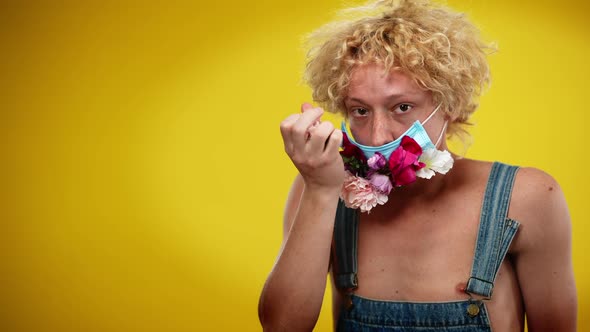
{"x":436,"y":161}
{"x":425,"y":173}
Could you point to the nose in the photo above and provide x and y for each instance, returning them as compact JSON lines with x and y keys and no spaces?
{"x":383,"y":129}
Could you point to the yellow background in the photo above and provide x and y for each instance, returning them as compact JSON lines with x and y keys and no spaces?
{"x":143,"y":174}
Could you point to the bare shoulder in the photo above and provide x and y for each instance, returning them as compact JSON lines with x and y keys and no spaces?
{"x":534,"y":184}
{"x":535,"y":197}
{"x":533,"y":191}
{"x":292,"y":204}
{"x":538,"y":203}
{"x":470,"y":171}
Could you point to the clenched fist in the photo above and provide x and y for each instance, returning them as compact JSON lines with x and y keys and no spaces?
{"x":313,"y":148}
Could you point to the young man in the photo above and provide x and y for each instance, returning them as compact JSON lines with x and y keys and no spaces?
{"x":473,"y":248}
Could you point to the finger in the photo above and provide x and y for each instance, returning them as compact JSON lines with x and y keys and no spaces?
{"x":319,"y":135}
{"x":300,"y":132}
{"x":334,"y":142}
{"x":287,"y":130}
{"x":306,"y":107}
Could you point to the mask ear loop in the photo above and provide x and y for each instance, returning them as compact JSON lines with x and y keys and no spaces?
{"x":442,"y":132}
{"x":431,"y":114}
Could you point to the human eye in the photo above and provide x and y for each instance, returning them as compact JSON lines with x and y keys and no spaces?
{"x":403,"y":108}
{"x":359,"y":112}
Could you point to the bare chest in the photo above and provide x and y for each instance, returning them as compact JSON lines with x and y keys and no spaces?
{"x":424,"y":251}
{"x":418,"y":255}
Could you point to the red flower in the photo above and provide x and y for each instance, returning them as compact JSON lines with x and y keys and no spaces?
{"x":350,"y":150}
{"x":404,"y":163}
{"x":354,"y":159}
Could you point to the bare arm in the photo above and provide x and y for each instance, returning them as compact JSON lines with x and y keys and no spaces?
{"x":292,"y":296}
{"x":543,"y":253}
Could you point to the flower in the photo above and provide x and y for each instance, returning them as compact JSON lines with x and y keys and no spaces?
{"x":368,"y":182}
{"x":425,"y":173}
{"x":357,"y":192}
{"x":403,"y":162}
{"x":377,"y":161}
{"x":435,"y":161}
{"x":381,"y":182}
{"x":353,"y":157}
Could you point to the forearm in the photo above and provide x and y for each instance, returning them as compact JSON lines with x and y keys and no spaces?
{"x":293,"y":294}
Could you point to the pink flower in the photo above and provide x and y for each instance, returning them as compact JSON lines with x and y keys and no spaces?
{"x":377,"y":161}
{"x":357,"y":192}
{"x":404,"y":163}
{"x":381,"y":182}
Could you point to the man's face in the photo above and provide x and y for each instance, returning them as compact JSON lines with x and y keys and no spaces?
{"x":382,"y":106}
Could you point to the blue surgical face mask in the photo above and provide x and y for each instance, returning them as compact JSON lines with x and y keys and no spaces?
{"x":416,"y":131}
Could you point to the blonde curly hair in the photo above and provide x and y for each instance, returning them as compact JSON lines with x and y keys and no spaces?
{"x":441,"y":49}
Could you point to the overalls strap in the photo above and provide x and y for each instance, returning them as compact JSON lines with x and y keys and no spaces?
{"x":344,"y":247}
{"x":496,"y":231}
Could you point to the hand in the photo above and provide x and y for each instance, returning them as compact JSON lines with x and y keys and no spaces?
{"x":313,"y":147}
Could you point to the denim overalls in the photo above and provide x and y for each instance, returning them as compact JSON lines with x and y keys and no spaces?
{"x":495,"y":234}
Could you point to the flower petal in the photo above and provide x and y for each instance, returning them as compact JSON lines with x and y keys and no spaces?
{"x":410,"y":145}
{"x":358,"y":193}
{"x":405,"y":176}
{"x":351,"y":150}
{"x":438,"y":161}
{"x":425,"y":173}
{"x":381,"y":182}
{"x":395,"y":159}
{"x":377,"y":161}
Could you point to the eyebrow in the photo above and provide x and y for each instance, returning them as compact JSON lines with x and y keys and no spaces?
{"x":360,"y":101}
{"x":389,"y":98}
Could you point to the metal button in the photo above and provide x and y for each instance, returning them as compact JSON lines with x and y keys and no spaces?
{"x":473,"y":310}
